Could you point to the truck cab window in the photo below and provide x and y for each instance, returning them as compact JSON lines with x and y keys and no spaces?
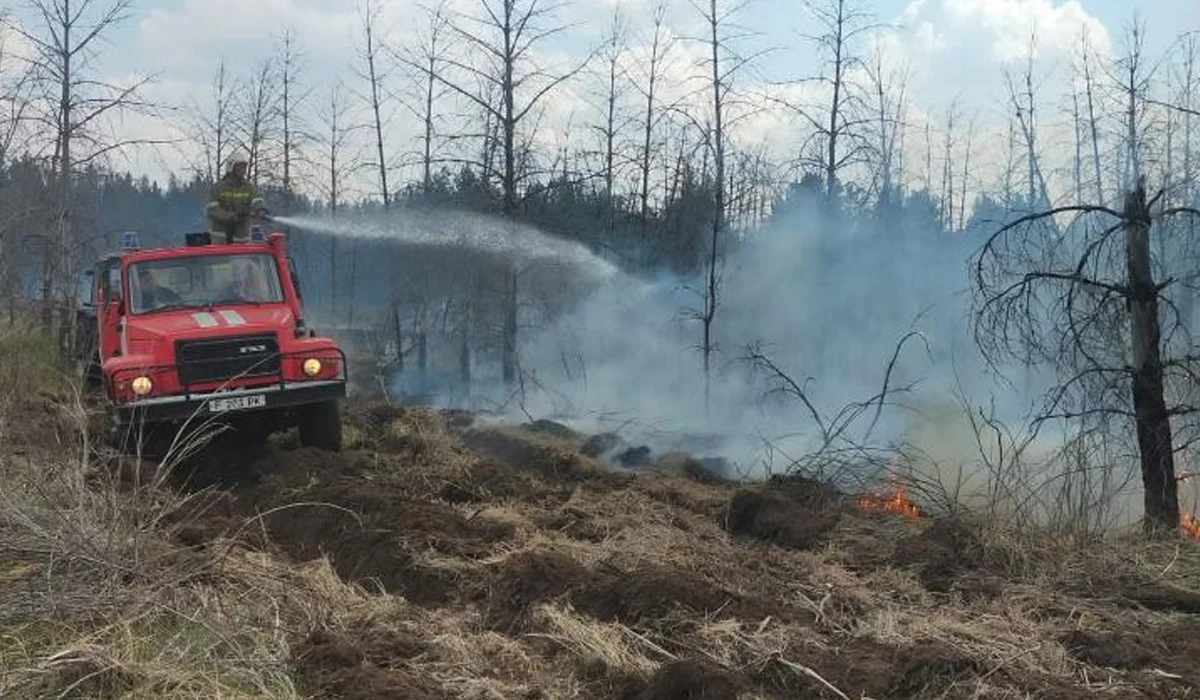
{"x":204,"y":281}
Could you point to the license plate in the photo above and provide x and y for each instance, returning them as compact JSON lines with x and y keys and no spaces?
{"x":237,"y":403}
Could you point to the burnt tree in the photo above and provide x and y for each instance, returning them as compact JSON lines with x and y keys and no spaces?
{"x":1088,"y":301}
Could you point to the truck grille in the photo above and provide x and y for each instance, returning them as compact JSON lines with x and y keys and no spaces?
{"x":220,"y":359}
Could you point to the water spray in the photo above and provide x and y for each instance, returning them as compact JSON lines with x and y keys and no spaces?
{"x":471,"y":232}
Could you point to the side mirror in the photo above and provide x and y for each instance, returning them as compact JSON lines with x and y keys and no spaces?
{"x":87,"y":299}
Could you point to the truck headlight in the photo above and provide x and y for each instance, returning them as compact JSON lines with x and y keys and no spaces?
{"x":141,"y":386}
{"x":312,"y":366}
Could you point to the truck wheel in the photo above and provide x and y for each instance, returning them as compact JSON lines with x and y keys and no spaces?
{"x":321,"y":426}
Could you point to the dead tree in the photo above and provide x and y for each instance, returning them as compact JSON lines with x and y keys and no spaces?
{"x":338,"y":129}
{"x":888,"y":88}
{"x":291,"y":105}
{"x":1092,"y":302}
{"x":1088,"y":304}
{"x":1092,"y":118}
{"x":424,"y":57}
{"x":375,"y":75}
{"x":261,"y":111}
{"x":75,"y":109}
{"x":838,"y":125}
{"x":16,"y":100}
{"x":722,"y":63}
{"x":213,"y":125}
{"x":501,"y":76}
{"x":612,"y":122}
{"x":1023,"y":101}
{"x":661,"y":44}
{"x":947,"y":189}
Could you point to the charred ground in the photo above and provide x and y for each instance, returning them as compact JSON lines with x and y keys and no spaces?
{"x":439,"y":559}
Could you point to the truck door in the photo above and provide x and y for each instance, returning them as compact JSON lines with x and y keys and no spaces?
{"x":108,"y":307}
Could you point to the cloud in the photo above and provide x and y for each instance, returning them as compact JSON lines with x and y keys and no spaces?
{"x":1009,"y":24}
{"x":189,"y":40}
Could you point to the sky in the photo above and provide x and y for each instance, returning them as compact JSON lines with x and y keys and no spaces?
{"x":954,"y":49}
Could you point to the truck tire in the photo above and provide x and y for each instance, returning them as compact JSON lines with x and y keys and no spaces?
{"x":321,"y":426}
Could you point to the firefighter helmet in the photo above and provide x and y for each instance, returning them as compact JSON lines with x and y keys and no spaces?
{"x":236,"y":159}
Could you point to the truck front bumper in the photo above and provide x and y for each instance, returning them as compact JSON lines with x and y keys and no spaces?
{"x":201,"y":408}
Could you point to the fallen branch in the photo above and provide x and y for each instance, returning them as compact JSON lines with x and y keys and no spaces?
{"x":801,"y":668}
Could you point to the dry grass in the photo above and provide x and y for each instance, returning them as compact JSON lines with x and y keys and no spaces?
{"x":98,"y":598}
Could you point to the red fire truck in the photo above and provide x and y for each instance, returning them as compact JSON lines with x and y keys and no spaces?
{"x":213,"y":333}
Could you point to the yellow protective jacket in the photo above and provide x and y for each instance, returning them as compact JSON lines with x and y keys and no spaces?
{"x":230,"y":206}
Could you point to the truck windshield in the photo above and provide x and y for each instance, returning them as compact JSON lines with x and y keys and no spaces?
{"x":203,"y":281}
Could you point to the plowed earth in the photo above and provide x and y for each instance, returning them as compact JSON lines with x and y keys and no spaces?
{"x":505,"y":563}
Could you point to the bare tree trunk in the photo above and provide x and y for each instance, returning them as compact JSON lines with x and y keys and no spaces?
{"x":1093,"y":123}
{"x":333,"y":283}
{"x":1010,"y":158}
{"x":1078,"y":169}
{"x":353,"y":280}
{"x":831,"y":162}
{"x":616,"y":44}
{"x":374,"y":79}
{"x":928,"y":160}
{"x":948,"y":172}
{"x":220,"y":123}
{"x":464,"y":346}
{"x":288,"y":80}
{"x":1161,"y":500}
{"x":398,"y":330}
{"x":1187,"y":293}
{"x":717,"y":139}
{"x":962,"y":206}
{"x":422,"y":338}
{"x":510,"y":324}
{"x":657,"y":51}
{"x":262,"y":111}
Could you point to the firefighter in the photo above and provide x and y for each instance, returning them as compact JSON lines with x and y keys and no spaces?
{"x":154,"y":295}
{"x":233,"y":203}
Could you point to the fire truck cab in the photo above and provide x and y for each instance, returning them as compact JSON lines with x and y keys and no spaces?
{"x":213,"y":333}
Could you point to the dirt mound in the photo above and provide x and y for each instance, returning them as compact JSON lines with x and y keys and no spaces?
{"x":551,"y":428}
{"x":930,"y":669}
{"x":793,"y":513}
{"x":526,"y":578}
{"x":1113,"y":649}
{"x":573,"y":523}
{"x":643,"y":595}
{"x":862,"y":667}
{"x":332,"y":665}
{"x":372,"y":536}
{"x":600,"y":444}
{"x":686,"y":679}
{"x":489,"y":480}
{"x":555,"y":461}
{"x":941,"y":553}
{"x":705,"y":471}
{"x":650,"y":593}
{"x":1172,"y":648}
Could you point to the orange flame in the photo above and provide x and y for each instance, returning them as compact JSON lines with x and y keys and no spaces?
{"x":1190,"y":526}
{"x":897,"y":501}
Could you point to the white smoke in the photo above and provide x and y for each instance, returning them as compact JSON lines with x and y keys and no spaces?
{"x":828,"y":308}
